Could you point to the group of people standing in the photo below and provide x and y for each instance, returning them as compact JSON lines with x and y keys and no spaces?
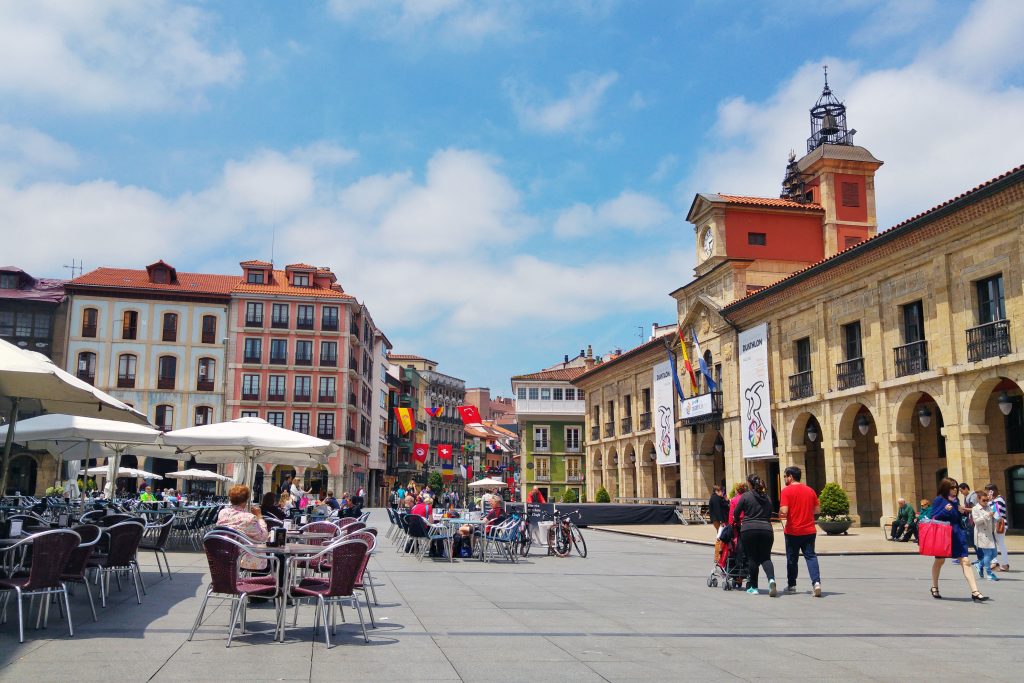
{"x":291,"y":497}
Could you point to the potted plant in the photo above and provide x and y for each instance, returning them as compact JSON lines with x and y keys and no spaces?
{"x":570,"y":496}
{"x":602,"y":496}
{"x":835,"y":510}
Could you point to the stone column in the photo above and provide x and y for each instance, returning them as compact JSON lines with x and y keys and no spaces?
{"x":967,"y":453}
{"x":896,"y":472}
{"x":840,"y":469}
{"x":794,"y":455}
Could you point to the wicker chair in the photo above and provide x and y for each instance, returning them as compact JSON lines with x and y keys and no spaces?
{"x":123,"y":543}
{"x":346,"y":557}
{"x":78,"y":563}
{"x":50,"y":553}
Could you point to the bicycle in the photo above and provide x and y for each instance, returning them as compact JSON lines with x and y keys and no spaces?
{"x":566,"y":536}
{"x":522,"y":542}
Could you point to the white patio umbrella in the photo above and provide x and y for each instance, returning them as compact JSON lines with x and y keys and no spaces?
{"x":486,"y":482}
{"x":124,"y":472}
{"x":63,"y":433}
{"x":249,"y":440}
{"x":29,"y":381}
{"x":74,"y":468}
{"x":198,"y":475}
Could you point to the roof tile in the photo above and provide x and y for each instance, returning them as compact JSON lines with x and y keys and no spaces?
{"x":127,"y":278}
{"x":769,"y":202}
{"x":561,"y":374}
{"x":279,"y":285}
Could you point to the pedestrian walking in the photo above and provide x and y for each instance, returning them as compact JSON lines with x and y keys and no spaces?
{"x":754,"y":510}
{"x":1000,"y":528}
{"x":947,"y":508}
{"x":798,"y":505}
{"x":984,"y":536}
{"x":718,"y":511}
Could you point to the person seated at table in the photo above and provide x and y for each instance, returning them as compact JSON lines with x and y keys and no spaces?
{"x":424,"y":508}
{"x":905,"y":526}
{"x":268,"y":506}
{"x":408,"y":503}
{"x":926,"y":511}
{"x":331,"y":502}
{"x":495,"y":515}
{"x":285,"y":502}
{"x":246,"y":519}
{"x":147,"y":495}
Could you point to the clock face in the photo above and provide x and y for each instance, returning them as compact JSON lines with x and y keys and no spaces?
{"x":709,"y":242}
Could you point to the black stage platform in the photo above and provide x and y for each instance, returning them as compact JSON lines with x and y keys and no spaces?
{"x":604,"y":514}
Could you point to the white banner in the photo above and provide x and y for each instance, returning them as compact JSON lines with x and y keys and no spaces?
{"x":664,"y":414}
{"x":696,"y":406}
{"x":756,"y":393}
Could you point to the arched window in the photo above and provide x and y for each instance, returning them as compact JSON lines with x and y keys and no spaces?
{"x":209,"y":329}
{"x":87,"y":367}
{"x":90,"y":321}
{"x":167,"y":372}
{"x":164,"y":418}
{"x":206,"y":373}
{"x":204,"y":415}
{"x":126,"y":365}
{"x":170,"y":327}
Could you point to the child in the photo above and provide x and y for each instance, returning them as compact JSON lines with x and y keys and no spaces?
{"x":984,"y":535}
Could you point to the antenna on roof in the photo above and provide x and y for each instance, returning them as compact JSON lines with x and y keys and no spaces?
{"x":273,"y":235}
{"x":75,"y":268}
{"x":640,"y":332}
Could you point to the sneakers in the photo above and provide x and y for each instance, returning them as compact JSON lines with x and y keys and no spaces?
{"x":772,"y":590}
{"x":817,"y":590}
{"x":992,"y":577}
{"x":981,"y":570}
{"x":753,"y":591}
{"x":790,"y":589}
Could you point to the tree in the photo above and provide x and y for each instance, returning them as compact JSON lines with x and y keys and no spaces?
{"x":436,"y":482}
{"x":570,"y":496}
{"x":602,"y":496}
{"x":835,"y":504}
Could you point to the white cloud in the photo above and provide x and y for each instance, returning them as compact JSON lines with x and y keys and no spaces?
{"x":27,"y":152}
{"x":933,"y":121}
{"x":458,"y":24}
{"x":105,"y":55}
{"x":629,"y":211}
{"x":574,"y":111}
{"x":269,"y":186}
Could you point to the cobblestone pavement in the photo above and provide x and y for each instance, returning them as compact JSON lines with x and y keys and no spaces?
{"x":635,"y":609}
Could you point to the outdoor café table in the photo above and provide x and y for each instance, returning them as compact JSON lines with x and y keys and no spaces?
{"x":454,"y":524}
{"x":285,"y":552}
{"x":310,"y":535}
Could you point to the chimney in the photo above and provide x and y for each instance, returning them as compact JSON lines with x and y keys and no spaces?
{"x":581,"y":353}
{"x":566,"y":358}
{"x":590,"y":351}
{"x":654,"y":330}
{"x":618,"y":351}
{"x":588,"y":359}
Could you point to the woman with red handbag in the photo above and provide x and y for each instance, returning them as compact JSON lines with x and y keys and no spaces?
{"x":947,"y":508}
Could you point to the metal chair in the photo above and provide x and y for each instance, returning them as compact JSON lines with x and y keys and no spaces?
{"x":78,"y":563}
{"x":364,"y":581}
{"x":50,"y":553}
{"x":155,"y":539}
{"x":123,"y":543}
{"x":346,"y":558}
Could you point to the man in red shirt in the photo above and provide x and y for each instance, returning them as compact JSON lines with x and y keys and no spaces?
{"x":798,"y":506}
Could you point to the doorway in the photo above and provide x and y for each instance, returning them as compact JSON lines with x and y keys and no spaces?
{"x":1015,"y":496}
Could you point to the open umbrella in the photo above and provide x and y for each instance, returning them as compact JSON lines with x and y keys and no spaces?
{"x":198,"y":475}
{"x":249,"y":440}
{"x":30,"y":381}
{"x":487,"y":482}
{"x":124,"y":472}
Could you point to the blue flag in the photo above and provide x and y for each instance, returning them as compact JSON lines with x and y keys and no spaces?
{"x":704,"y":370}
{"x":675,"y":375}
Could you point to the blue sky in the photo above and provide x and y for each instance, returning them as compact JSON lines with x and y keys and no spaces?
{"x":503,"y":183}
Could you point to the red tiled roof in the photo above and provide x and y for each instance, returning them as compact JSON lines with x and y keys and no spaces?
{"x":561,"y":374}
{"x":280,"y":285}
{"x":872,"y":242}
{"x":769,"y":202}
{"x":301,"y":266}
{"x":126,"y":278}
{"x":258,"y":263}
{"x":635,"y":351}
{"x":408,"y":356}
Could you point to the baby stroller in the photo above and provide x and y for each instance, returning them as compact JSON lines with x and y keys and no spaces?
{"x":731,"y":568}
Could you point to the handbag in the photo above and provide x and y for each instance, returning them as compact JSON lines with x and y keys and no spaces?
{"x":935,"y":538}
{"x":1001,"y":525}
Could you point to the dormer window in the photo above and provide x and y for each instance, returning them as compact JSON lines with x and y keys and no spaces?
{"x":9,"y":281}
{"x":161,"y":273}
{"x":300,"y":279}
{"x":255,"y":277}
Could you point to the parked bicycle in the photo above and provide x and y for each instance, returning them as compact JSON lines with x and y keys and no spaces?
{"x":565,"y":535}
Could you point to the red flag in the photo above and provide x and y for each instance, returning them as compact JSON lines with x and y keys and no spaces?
{"x":419,"y":452}
{"x":444,"y":451}
{"x":469,"y":473}
{"x":470,"y":415}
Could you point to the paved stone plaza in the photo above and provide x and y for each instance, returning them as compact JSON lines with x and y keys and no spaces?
{"x":635,"y":609}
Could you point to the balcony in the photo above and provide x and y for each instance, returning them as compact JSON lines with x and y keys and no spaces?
{"x":252,"y":359}
{"x":325,"y":433}
{"x":609,"y":429}
{"x":204,"y":385}
{"x":89,"y":377}
{"x":353,"y":400}
{"x":208,"y":337}
{"x":254,"y":322}
{"x":250,"y":396}
{"x":351,"y":435}
{"x":405,"y":400}
{"x":626,"y":425}
{"x":300,"y":398}
{"x":126,"y":382}
{"x":353,"y":329}
{"x":712,"y":417}
{"x":329,"y":325}
{"x":850,"y":374}
{"x":276,"y":397}
{"x":542,"y":477}
{"x":89,"y":331}
{"x":308,"y":360}
{"x":329,"y":361}
{"x":304,"y":324}
{"x":645,"y":421}
{"x":573,"y":448}
{"x":542,"y":447}
{"x":574,"y":478}
{"x":165,"y":383}
{"x":801,"y":385}
{"x":326,"y":398}
{"x":353,"y":365}
{"x":911,"y":358}
{"x":129,"y":332}
{"x":595,"y":433}
{"x":279,"y":324}
{"x":988,"y":341}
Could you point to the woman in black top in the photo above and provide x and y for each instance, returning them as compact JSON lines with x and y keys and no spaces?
{"x":756,"y":534}
{"x":268,"y":506}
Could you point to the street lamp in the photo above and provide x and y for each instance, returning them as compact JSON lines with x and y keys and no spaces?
{"x":863,"y":424}
{"x":719,"y":444}
{"x":1005,"y":404}
{"x":924,"y":416}
{"x":812,"y":433}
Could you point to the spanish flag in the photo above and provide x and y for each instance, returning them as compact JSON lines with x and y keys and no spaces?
{"x":405,"y":420}
{"x":686,"y":362}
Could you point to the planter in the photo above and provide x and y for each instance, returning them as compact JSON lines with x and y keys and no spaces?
{"x":835,"y":528}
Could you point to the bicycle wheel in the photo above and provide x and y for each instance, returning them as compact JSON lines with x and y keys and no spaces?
{"x":563,"y":544}
{"x":577,"y":540}
{"x":524,"y":545}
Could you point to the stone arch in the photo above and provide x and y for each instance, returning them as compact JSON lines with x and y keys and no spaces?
{"x":627,"y":480}
{"x":845,"y":424}
{"x":808,"y":454}
{"x":647,"y":469}
{"x":611,"y":472}
{"x":980,"y":391}
{"x":596,"y":471}
{"x":23,"y":475}
{"x":861,"y":476}
{"x":906,"y":405}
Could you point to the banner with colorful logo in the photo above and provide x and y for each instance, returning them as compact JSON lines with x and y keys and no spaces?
{"x":664,"y":414}
{"x":405,"y":420}
{"x":470,"y":415}
{"x":419,"y":452}
{"x":755,"y":393}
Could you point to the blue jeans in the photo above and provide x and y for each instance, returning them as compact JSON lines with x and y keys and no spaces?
{"x":988,"y":556}
{"x":794,"y":546}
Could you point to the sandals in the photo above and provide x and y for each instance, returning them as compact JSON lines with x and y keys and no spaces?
{"x":978,"y":597}
{"x":935,"y":593}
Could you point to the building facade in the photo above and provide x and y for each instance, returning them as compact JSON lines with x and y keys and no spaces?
{"x":437,"y":390}
{"x":33,"y":313}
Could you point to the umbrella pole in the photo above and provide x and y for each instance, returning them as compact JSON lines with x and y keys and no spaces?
{"x":8,"y":443}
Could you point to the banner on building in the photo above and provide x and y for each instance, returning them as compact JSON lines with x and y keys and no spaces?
{"x":419,"y":452}
{"x":444,"y":451}
{"x":755,"y":393}
{"x":697,"y":406}
{"x":664,"y":414}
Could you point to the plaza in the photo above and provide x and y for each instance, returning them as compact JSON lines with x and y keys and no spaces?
{"x":634,"y":609}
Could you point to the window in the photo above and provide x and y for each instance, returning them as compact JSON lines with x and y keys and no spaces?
{"x":851,"y":340}
{"x":802,"y":350}
{"x":913,"y":322}
{"x":90,"y":319}
{"x":209,"y":329}
{"x":279,"y":316}
{"x":205,"y":374}
{"x":304,"y":352}
{"x":534,"y":393}
{"x":540,"y":439}
{"x":850,"y":193}
{"x":253,"y":350}
{"x":9,"y":281}
{"x":165,"y":418}
{"x":23,"y":324}
{"x":757,"y":239}
{"x":329,"y":353}
{"x":545,"y":394}
{"x":991,"y":303}
{"x":254,"y":277}
{"x":383,"y":399}
{"x":611,"y":411}
{"x":301,"y":393}
{"x":167,"y":372}
{"x":126,"y":365}
{"x":572,"y":439}
{"x":570,"y":394}
{"x":276,"y":418}
{"x":556,"y":393}
{"x":521,"y":393}
{"x":328,"y":388}
{"x":275,"y":387}
{"x":579,"y":394}
{"x":170,"y":327}
{"x":542,"y":468}
{"x":304,"y":317}
{"x":87,"y":366}
{"x":645,"y":398}
{"x":7,"y":324}
{"x":250,"y":413}
{"x":627,"y":405}
{"x":300,"y":423}
{"x":1014,"y":426}
{"x":130,"y":325}
{"x":329,"y":318}
{"x":254,"y":314}
{"x":300,"y":279}
{"x":204,"y":415}
{"x":325,"y":426}
{"x":279,"y":351}
{"x":250,"y":387}
{"x":572,"y":469}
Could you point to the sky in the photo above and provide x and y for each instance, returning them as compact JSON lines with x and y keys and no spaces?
{"x":502,"y":183}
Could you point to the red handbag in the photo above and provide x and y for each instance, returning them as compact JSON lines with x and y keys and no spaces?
{"x":935,"y":538}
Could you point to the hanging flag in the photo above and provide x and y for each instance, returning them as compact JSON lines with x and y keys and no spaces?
{"x":470,"y":415}
{"x":704,"y":370}
{"x":436,"y":411}
{"x":462,"y":471}
{"x":405,"y":420}
{"x":444,"y":451}
{"x":469,"y":472}
{"x":675,"y":376}
{"x":686,"y":361}
{"x":419,"y":452}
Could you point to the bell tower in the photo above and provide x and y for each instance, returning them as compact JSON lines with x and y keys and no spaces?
{"x":835,"y":174}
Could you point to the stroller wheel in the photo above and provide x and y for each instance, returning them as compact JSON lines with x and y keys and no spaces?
{"x":714,"y":583}
{"x":726,"y":585}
